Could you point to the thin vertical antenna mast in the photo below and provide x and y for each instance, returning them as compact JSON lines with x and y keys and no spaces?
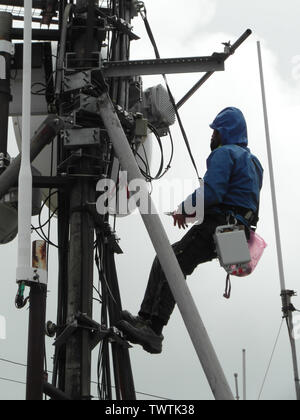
{"x":25,"y":175}
{"x":244,"y":376}
{"x":284,"y":292}
{"x":236,"y":379}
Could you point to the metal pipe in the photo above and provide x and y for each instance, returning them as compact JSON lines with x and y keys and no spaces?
{"x":6,"y":53}
{"x":81,"y":258}
{"x":204,"y":79}
{"x":203,"y":346}
{"x":25,"y":175}
{"x":271,"y":173}
{"x":43,"y":136}
{"x":80,"y":287}
{"x":37,"y":34}
{"x":62,"y":49}
{"x":236,"y":386}
{"x":36,"y":342}
{"x":276,"y":217}
{"x":54,"y":393}
{"x":120,"y":354}
{"x":244,"y":376}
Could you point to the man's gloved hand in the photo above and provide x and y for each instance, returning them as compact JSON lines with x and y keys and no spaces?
{"x":179,"y":220}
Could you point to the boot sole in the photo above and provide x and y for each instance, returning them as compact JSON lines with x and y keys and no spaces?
{"x":135,"y":338}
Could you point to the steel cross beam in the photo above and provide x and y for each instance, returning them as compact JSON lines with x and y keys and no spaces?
{"x":164,"y":66}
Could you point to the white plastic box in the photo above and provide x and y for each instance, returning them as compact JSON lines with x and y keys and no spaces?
{"x":232,"y":246}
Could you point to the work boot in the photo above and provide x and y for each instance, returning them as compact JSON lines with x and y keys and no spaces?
{"x":142,"y":334}
{"x":135,"y":321}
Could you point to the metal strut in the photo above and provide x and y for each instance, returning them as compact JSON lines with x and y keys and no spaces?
{"x":168,"y":260}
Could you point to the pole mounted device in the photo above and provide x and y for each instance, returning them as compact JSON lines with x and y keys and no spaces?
{"x":35,"y":278}
{"x":24,"y":270}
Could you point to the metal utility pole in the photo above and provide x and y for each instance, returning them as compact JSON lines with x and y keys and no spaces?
{"x":81,"y":247}
{"x":99,"y":116}
{"x":73,"y":355}
{"x":36,"y":341}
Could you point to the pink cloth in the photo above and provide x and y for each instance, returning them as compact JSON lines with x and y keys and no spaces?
{"x":256,"y":247}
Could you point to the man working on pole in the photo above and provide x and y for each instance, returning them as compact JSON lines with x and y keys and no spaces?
{"x":232,"y":187}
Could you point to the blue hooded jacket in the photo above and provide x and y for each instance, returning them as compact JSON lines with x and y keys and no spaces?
{"x":234,"y":176}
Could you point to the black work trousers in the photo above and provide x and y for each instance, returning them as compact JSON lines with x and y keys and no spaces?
{"x":195,"y":248}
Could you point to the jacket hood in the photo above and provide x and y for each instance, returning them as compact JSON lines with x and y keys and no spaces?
{"x":232,"y":127}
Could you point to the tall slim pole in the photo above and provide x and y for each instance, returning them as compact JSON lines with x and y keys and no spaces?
{"x":276,"y":225}
{"x":81,"y":247}
{"x":25,"y":175}
{"x":36,"y":342}
{"x":236,"y":380}
{"x":73,"y":358}
{"x":38,"y":289}
{"x":81,"y":259}
{"x":203,"y":346}
{"x":6,"y":52}
{"x":80,"y":290}
{"x":244,"y":376}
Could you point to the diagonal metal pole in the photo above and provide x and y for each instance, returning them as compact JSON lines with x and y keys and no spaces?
{"x":207,"y":75}
{"x":199,"y":336}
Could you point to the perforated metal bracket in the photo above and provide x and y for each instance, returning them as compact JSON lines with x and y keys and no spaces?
{"x":81,"y":137}
{"x":164,"y":66}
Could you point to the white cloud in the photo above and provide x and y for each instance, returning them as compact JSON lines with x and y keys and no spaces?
{"x":206,"y":11}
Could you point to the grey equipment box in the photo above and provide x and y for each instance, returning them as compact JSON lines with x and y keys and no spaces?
{"x":232,"y":246}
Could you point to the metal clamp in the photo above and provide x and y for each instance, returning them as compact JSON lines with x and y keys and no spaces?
{"x":30,"y":275}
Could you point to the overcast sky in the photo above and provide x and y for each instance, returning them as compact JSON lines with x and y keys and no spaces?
{"x":251,"y":319}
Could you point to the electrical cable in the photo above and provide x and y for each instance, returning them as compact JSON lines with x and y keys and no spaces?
{"x":49,"y":232}
{"x":147,"y":173}
{"x":143,"y":12}
{"x":42,"y":234}
{"x":102,"y":375}
{"x":103,"y":276}
{"x":271,"y":359}
{"x":12,"y":381}
{"x":92,"y":382}
{"x":168,"y":167}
